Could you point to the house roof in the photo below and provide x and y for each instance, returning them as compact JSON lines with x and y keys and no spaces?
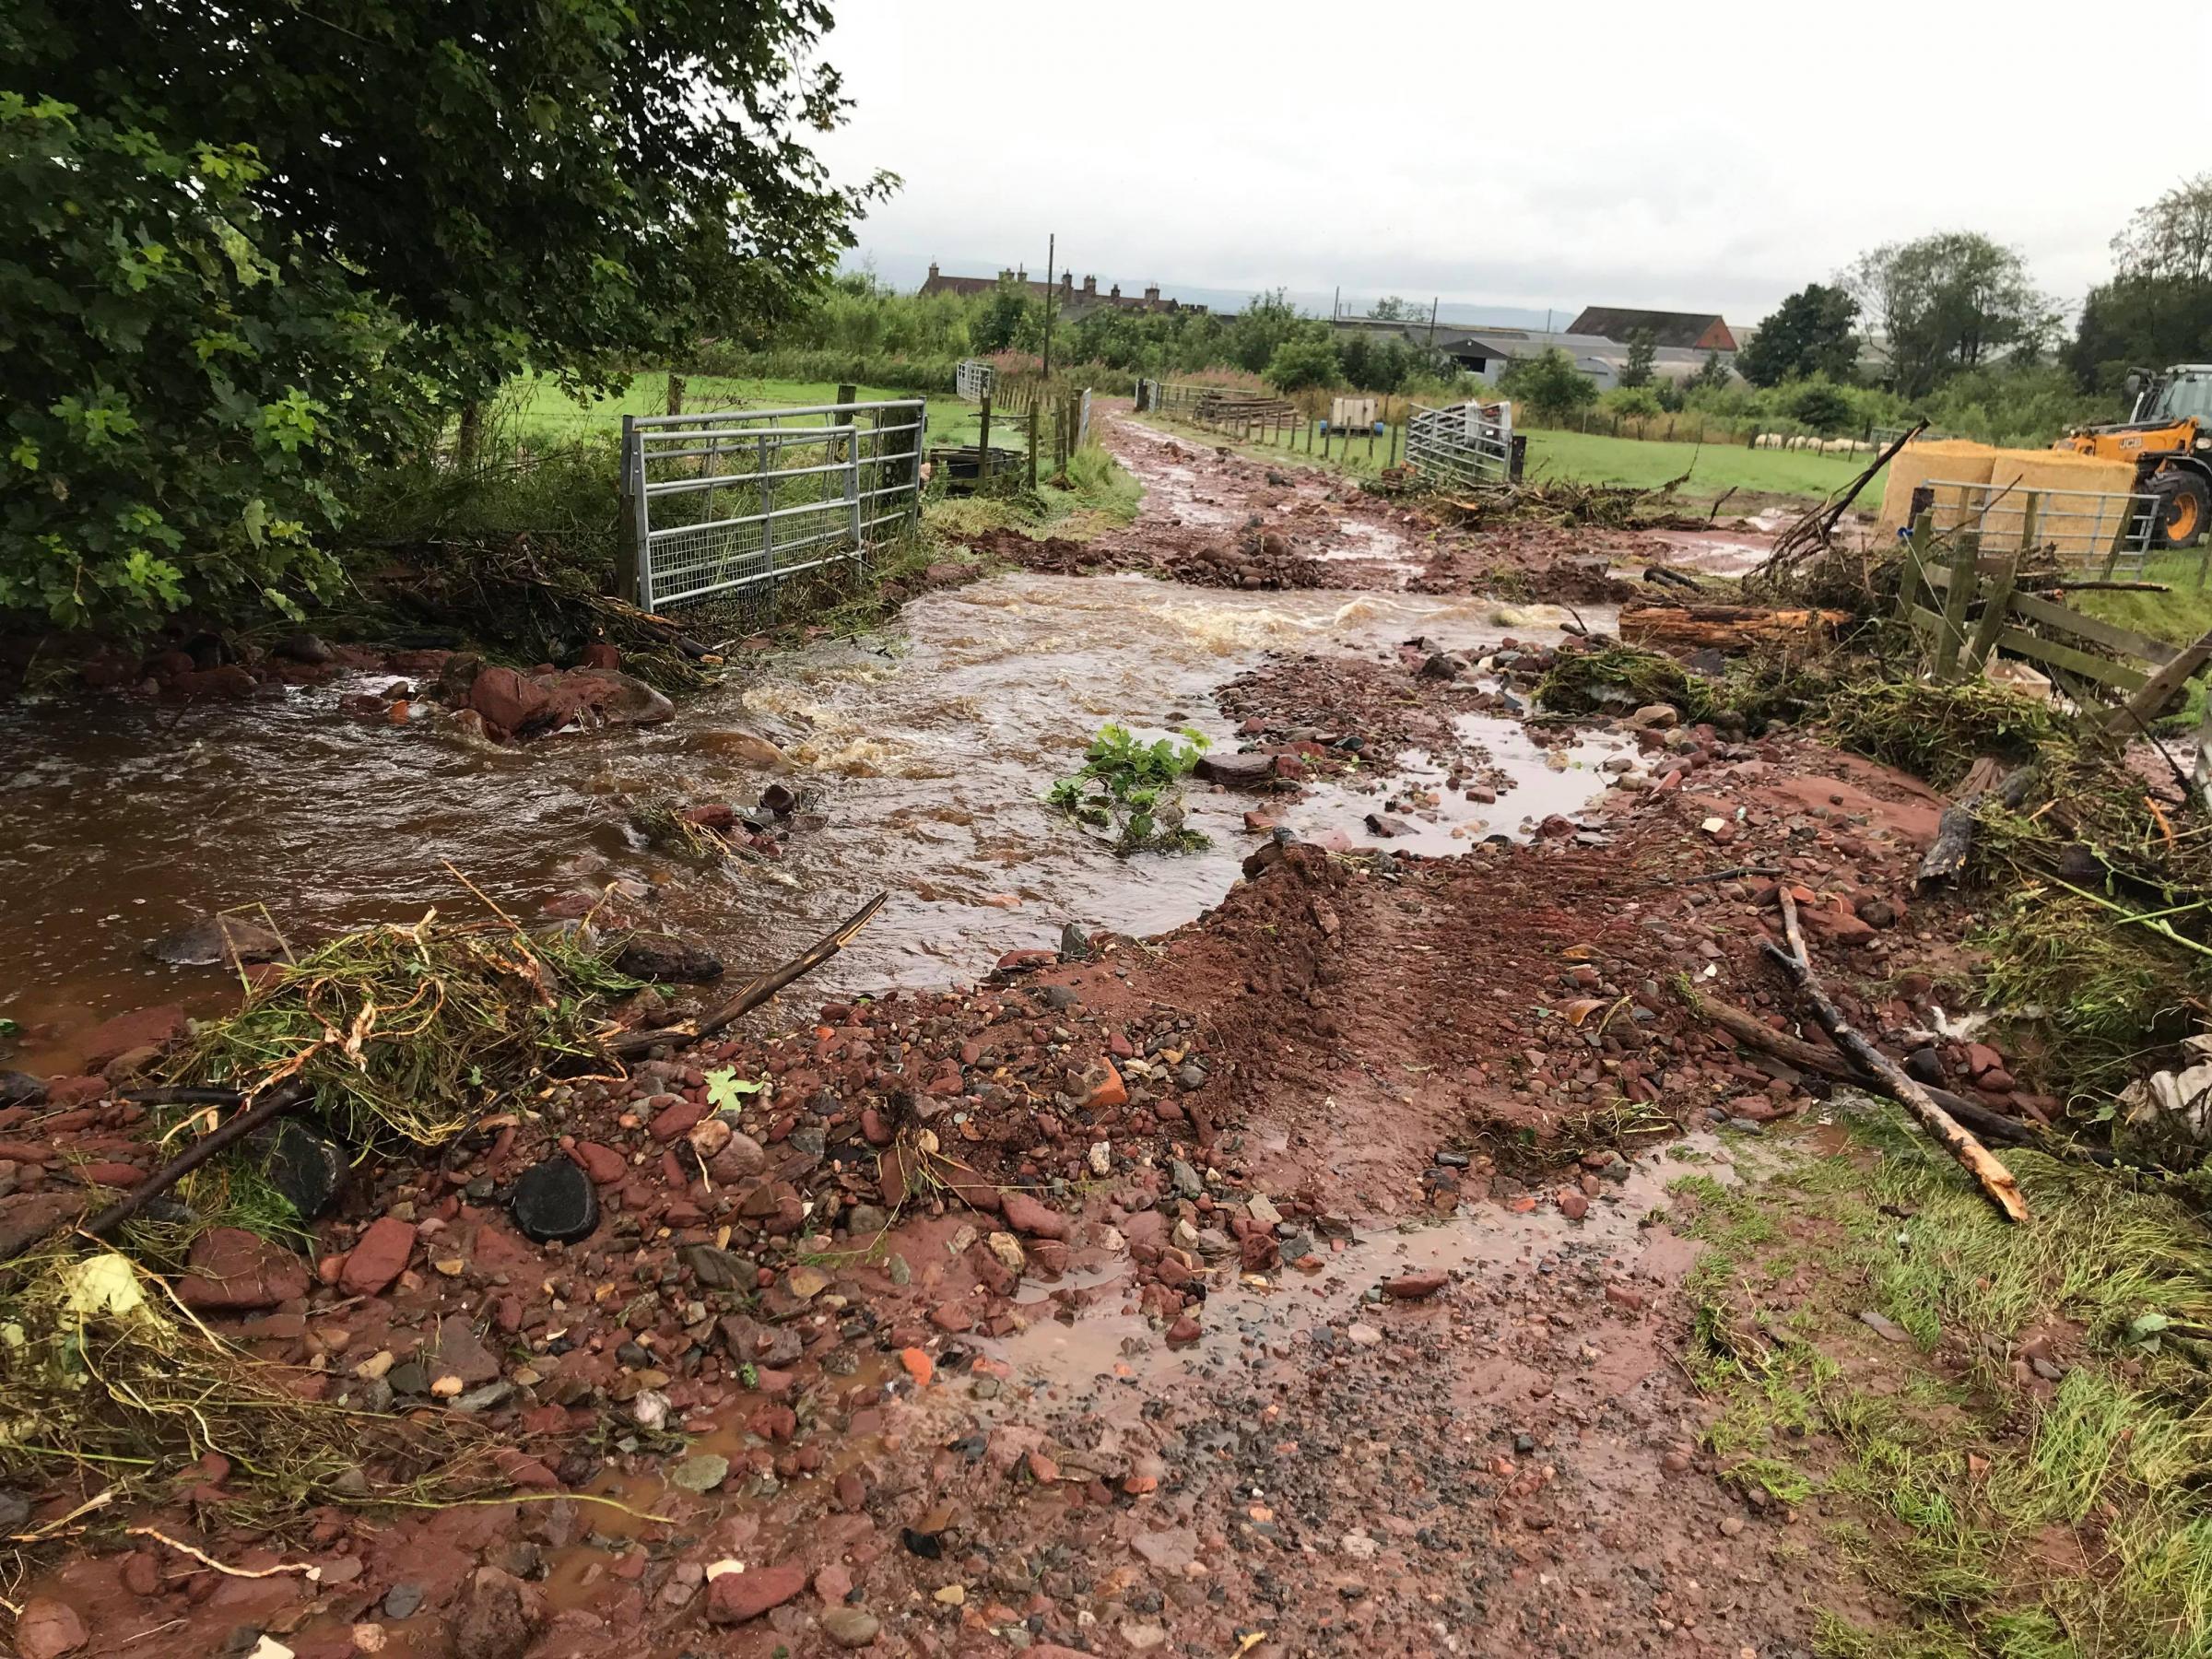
{"x":1687,"y":331}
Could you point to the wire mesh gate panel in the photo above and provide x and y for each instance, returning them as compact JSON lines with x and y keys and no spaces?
{"x":723,"y":503}
{"x":1467,"y":445}
{"x":973,"y":379}
{"x":2091,"y":533}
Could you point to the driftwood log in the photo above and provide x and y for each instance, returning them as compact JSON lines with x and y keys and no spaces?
{"x":1954,"y":839}
{"x":1720,"y":626}
{"x":755,"y":992}
{"x":1973,"y":1157}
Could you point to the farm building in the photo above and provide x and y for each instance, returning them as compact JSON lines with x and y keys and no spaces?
{"x":1067,"y":298}
{"x":1685,"y":331}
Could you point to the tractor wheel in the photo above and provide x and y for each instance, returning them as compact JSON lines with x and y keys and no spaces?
{"x":2184,"y":508}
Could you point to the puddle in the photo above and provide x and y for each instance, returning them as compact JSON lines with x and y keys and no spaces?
{"x":1252,"y":1316}
{"x":1714,"y":554}
{"x":925,"y":755}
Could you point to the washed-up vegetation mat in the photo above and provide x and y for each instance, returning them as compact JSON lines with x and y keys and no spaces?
{"x":1767,"y":685}
{"x":1563,"y":503}
{"x":407,"y":1035}
{"x":108,"y":1384}
{"x":524,"y":601}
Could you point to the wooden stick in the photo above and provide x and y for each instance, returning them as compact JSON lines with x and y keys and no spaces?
{"x":268,"y":1109}
{"x":1976,"y":1159}
{"x":756,"y":990}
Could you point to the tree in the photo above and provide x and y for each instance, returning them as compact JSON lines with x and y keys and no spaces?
{"x":1949,"y":302}
{"x":1264,"y":324}
{"x":1821,"y":404}
{"x":1306,"y":360}
{"x":2157,"y":307}
{"x":442,"y":195}
{"x":1550,"y":383}
{"x":1009,"y":317}
{"x":1712,"y":374}
{"x":1390,"y":309}
{"x":1808,"y":334}
{"x":1643,"y":351}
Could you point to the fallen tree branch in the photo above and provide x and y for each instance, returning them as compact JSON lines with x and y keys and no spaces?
{"x":1824,"y":1061}
{"x":1973,"y":1157}
{"x":755,"y":992}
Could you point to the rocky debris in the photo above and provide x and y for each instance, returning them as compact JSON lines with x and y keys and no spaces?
{"x":737,"y":744}
{"x":20,"y":1088}
{"x":498,"y":1616}
{"x":308,"y":1170}
{"x":1247,"y":769}
{"x":734,"y":1596}
{"x":554,"y":1201}
{"x":143,"y":1029}
{"x":850,"y":1626}
{"x":230,"y":1270}
{"x":47,"y":1629}
{"x":378,"y":1256}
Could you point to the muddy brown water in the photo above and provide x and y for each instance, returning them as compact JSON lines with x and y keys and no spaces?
{"x":925,"y":752}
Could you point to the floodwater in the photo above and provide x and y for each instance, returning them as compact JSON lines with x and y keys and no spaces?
{"x":921,"y":758}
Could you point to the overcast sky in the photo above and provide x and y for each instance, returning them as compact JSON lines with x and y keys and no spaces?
{"x":1692,"y":156}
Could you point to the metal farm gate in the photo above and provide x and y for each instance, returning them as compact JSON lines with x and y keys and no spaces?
{"x":736,"y":499}
{"x":1466,"y":444}
{"x":974,"y":379}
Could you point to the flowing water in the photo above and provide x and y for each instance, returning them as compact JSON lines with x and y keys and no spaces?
{"x":920,"y":757}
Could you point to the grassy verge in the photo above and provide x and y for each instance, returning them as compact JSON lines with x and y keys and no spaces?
{"x":2016,"y":1466}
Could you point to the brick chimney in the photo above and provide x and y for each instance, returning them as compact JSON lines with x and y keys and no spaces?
{"x":933,"y":270}
{"x":1114,"y":292}
{"x":1152,"y":295}
{"x":1004,"y":273}
{"x":1091,"y":286}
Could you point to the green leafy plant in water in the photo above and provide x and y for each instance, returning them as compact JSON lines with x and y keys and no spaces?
{"x":1134,"y":789}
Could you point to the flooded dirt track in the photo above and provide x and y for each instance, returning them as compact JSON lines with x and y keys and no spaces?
{"x":920,"y":757}
{"x":1283,"y":1271}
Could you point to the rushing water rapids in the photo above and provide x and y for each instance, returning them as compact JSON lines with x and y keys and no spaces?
{"x":924,"y":754}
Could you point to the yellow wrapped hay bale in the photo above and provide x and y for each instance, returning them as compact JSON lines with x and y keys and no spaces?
{"x":2076,"y":528}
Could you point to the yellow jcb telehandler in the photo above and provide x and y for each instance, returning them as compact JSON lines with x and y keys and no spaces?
{"x":2168,"y":435}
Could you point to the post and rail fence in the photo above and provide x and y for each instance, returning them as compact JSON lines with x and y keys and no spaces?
{"x":737,"y":500}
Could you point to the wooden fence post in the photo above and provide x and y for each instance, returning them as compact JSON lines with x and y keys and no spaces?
{"x":1966,"y":552}
{"x":1996,"y":600}
{"x":1916,"y":553}
{"x":982,"y":444}
{"x":2031,"y":514}
{"x":1032,"y":449}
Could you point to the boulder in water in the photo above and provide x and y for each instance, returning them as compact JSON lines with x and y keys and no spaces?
{"x":668,"y":960}
{"x":751,"y":747}
{"x":212,"y":939}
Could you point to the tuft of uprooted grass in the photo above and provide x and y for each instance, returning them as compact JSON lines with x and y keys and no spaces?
{"x":408,"y":1034}
{"x":1938,"y":732}
{"x":1952,"y":1465}
{"x":107,"y":1381}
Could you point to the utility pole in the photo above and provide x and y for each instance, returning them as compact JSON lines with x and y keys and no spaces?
{"x":1433,"y":305}
{"x":1336,"y":305}
{"x":1051,"y":252}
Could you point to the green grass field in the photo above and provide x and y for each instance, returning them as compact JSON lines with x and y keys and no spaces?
{"x":1589,"y":458}
{"x":535,"y":408}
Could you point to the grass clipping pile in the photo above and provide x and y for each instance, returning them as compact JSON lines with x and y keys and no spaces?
{"x":407,"y":1037}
